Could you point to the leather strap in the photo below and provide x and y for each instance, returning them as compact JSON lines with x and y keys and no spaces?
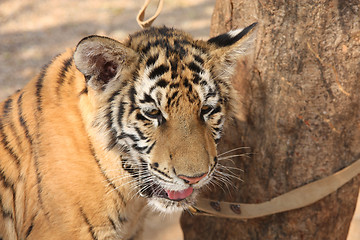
{"x":297,"y":198}
{"x":140,"y":17}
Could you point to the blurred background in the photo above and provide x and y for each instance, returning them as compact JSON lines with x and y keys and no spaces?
{"x":34,"y":31}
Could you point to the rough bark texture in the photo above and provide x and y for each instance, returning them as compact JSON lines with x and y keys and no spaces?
{"x":302,"y":116}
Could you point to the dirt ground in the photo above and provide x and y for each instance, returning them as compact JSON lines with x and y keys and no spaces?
{"x":33,"y":31}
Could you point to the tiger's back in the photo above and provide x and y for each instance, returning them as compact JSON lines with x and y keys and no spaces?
{"x":78,"y":142}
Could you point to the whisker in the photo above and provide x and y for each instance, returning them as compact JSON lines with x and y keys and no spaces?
{"x":230,"y":175}
{"x":226,"y":182}
{"x":117,"y":178}
{"x":235,"y":155}
{"x":147,"y":186}
{"x":218,"y":184}
{"x":229,"y":168}
{"x":232,"y":150}
{"x":232,"y":168}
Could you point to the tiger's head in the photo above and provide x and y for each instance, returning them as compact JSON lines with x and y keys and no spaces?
{"x":161,"y":102}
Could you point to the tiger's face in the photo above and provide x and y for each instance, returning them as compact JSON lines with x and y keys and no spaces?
{"x":163,"y":98}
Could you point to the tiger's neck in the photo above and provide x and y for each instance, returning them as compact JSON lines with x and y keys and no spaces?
{"x":67,"y":150}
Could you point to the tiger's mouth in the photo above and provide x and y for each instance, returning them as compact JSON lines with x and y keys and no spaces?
{"x":155,"y":190}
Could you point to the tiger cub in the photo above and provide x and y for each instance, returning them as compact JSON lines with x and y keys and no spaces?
{"x":110,"y":128}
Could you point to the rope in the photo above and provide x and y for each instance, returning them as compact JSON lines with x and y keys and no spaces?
{"x":297,"y":198}
{"x":140,"y":17}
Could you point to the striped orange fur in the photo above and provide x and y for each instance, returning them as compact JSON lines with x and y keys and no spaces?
{"x":109,"y":128}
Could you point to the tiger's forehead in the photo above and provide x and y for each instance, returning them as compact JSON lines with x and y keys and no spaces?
{"x":173,"y":71}
{"x":172,"y":41}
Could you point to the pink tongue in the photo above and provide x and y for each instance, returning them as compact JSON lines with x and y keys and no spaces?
{"x":176,"y":195}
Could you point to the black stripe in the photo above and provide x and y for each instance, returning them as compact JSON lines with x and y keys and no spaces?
{"x":161,"y":172}
{"x":175,"y":103}
{"x":30,"y":139}
{"x":6,"y":112}
{"x":190,"y":90}
{"x":216,"y":110}
{"x":158,"y":71}
{"x":226,"y":40}
{"x":131,"y":136}
{"x":219,"y":121}
{"x":203,"y":83}
{"x":179,"y":48}
{"x":7,"y":146}
{"x":132,"y":93}
{"x":162,"y":83}
{"x":38,"y":93}
{"x":122,"y":220}
{"x":66,"y":64}
{"x":132,"y":108}
{"x":145,"y":49}
{"x":174,"y":95}
{"x":5,"y":213}
{"x":111,"y":129}
{"x":151,"y":60}
{"x":112,"y":141}
{"x":186,"y":82}
{"x":112,"y":223}
{"x":38,"y":181}
{"x":138,"y":149}
{"x":104,"y":175}
{"x":7,"y":107}
{"x":195,"y":68}
{"x":153,"y":87}
{"x":210,"y":94}
{"x":141,"y":135}
{"x":39,"y":86}
{"x":110,"y":124}
{"x":4,"y":137}
{"x":113,"y":96}
{"x":28,"y":231}
{"x":150,"y":148}
{"x":127,"y":167}
{"x":174,"y":85}
{"x":84,"y":91}
{"x":196,"y":78}
{"x":91,"y":227}
{"x":22,"y":120}
{"x":71,"y":79}
{"x":216,"y":129}
{"x":147,"y":99}
{"x":199,"y":59}
{"x":140,"y":117}
{"x":121,"y":113}
{"x":194,"y":45}
{"x":4,"y":180}
{"x":161,"y":43}
{"x":174,"y":66}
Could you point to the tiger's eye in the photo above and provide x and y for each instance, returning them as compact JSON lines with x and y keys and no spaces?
{"x":205,"y":110}
{"x":154,"y":113}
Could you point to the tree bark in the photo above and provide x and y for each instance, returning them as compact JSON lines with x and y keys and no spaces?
{"x":302,"y":106}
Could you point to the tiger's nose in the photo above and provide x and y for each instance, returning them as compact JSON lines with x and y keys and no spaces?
{"x":192,"y":180}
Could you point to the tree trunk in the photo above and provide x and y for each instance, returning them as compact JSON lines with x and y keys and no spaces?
{"x":301,"y":87}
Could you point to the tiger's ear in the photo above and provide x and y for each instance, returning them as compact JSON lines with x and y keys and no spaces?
{"x":101,"y":60}
{"x":229,"y":47}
